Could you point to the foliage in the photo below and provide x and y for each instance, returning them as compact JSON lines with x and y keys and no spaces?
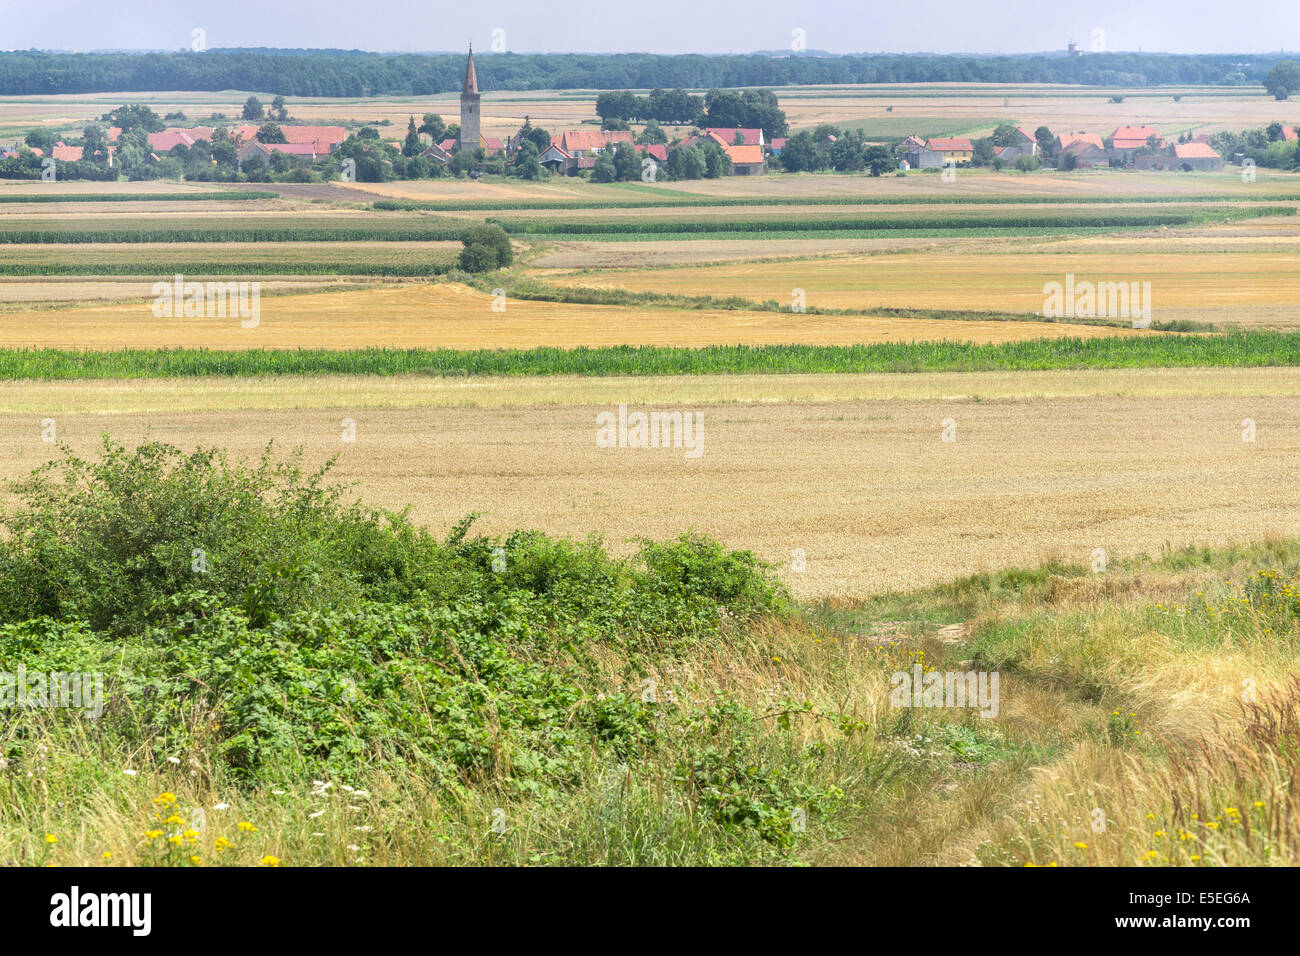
{"x":1230,"y":350}
{"x":486,"y":248}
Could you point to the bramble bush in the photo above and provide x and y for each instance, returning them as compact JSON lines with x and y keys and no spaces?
{"x":250,"y":612}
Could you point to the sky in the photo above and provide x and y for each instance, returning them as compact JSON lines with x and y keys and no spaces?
{"x":657,"y":26}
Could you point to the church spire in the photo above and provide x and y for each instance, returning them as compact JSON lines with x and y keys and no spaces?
{"x":471,"y":79}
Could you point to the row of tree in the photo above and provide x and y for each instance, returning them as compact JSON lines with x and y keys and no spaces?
{"x":747,"y":109}
{"x":353,"y":73}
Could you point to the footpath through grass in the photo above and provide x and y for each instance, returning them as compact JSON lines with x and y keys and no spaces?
{"x":1247,"y":349}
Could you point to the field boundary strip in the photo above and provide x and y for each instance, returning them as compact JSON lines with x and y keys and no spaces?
{"x":1246,"y":349}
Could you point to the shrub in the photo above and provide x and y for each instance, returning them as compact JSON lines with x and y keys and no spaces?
{"x":320,"y":635}
{"x":478,"y":258}
{"x":486,"y":247}
{"x":113,"y":542}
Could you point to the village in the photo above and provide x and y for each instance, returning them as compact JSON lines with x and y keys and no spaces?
{"x":262,"y":151}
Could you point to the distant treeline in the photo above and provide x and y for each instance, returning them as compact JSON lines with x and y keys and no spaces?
{"x":353,"y":73}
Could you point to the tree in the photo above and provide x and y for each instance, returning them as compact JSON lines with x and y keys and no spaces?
{"x":984,"y":154}
{"x":1283,"y":79}
{"x":223,"y":150}
{"x":477,"y":259}
{"x":526,"y":164}
{"x":604,"y":171}
{"x":135,"y":116}
{"x":846,"y":154}
{"x":627,"y":164}
{"x":270,"y":133}
{"x":94,"y":146}
{"x":750,"y":109}
{"x":1274,"y":132}
{"x":255,"y":168}
{"x":465,"y":161}
{"x":653,"y":134}
{"x":253,"y":109}
{"x":716,"y":162}
{"x":1027,"y":163}
{"x":618,"y":104}
{"x":880,"y":159}
{"x":539,"y":138}
{"x":1046,"y":141}
{"x":42,"y":139}
{"x":412,"y":146}
{"x":433,"y":127}
{"x":491,"y":249}
{"x":800,"y":154}
{"x":685,"y":162}
{"x":1006,"y":134}
{"x":278,"y":109}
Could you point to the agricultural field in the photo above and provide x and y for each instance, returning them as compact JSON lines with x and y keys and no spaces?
{"x":854,"y":450}
{"x":1257,"y":286}
{"x":403,"y":485}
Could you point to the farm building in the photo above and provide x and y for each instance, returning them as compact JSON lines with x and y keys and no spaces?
{"x":746,"y":160}
{"x":589,"y":142}
{"x":1087,"y":149}
{"x":1182,"y":157}
{"x":266,"y":150}
{"x":922,"y":157}
{"x":1198,"y":156}
{"x":1026,"y":142}
{"x":736,"y":136}
{"x":1127,"y":140}
{"x":958,"y":149}
{"x":437,"y":153}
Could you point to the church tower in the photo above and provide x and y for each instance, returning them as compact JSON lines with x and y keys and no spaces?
{"x":469,"y":106}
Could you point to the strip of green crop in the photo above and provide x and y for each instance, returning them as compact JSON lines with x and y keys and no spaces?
{"x":265,"y":267}
{"x":387,"y":233}
{"x":570,"y":227}
{"x":237,"y":195}
{"x":400,"y":205}
{"x":1170,"y":350}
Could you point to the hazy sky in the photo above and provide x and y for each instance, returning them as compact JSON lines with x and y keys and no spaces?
{"x":659,"y":26}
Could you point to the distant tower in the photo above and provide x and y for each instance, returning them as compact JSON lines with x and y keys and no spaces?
{"x":469,"y":106}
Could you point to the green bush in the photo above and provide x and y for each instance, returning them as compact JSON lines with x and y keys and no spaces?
{"x":320,"y":634}
{"x":478,"y":258}
{"x":486,"y":248}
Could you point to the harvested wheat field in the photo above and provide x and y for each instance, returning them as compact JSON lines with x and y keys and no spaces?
{"x":193,"y":394}
{"x":449,"y":315}
{"x":866,"y":488}
{"x":1247,"y":288}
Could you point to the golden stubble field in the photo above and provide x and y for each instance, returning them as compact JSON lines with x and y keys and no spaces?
{"x":1253,"y":286}
{"x":454,"y":316}
{"x":866,"y":487}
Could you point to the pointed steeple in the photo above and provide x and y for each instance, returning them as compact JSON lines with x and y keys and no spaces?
{"x":471,"y":79}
